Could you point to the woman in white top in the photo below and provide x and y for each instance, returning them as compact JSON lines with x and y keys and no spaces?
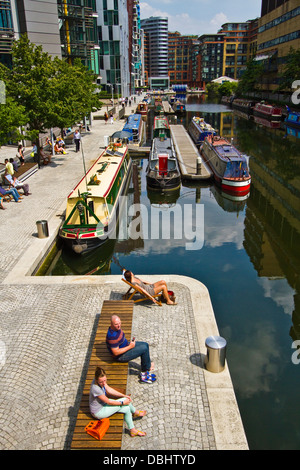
{"x":104,"y":401}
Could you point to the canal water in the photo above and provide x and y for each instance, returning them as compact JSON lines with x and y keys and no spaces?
{"x":247,"y":254}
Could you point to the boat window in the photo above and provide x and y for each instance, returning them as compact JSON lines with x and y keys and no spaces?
{"x":236,"y":169}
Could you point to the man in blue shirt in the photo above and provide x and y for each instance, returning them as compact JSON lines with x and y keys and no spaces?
{"x":124,"y":351}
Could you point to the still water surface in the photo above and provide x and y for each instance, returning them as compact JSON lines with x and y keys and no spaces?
{"x":250,"y":263}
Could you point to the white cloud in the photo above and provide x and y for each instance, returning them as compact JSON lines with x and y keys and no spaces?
{"x":218,"y":20}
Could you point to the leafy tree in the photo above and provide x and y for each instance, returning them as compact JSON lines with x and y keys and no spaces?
{"x":251,"y":77}
{"x":227,"y":88}
{"x":52,"y":92}
{"x":291,"y":70}
{"x":12,"y":116}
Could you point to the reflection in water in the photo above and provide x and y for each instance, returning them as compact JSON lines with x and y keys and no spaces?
{"x":250,"y":263}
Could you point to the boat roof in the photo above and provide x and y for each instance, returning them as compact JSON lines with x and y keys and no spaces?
{"x":161,"y":122}
{"x":162,"y":147}
{"x":105,"y":168}
{"x":133,"y":122}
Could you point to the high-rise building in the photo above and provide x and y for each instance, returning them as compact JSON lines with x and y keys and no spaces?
{"x":156,"y":60}
{"x":113,"y":40}
{"x":39,"y":20}
{"x":78,"y":31}
{"x":211,"y":49}
{"x":239,"y":44}
{"x":278,"y":32}
{"x":180,"y":59}
{"x":7,"y":32}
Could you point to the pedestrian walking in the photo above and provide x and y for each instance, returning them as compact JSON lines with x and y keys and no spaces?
{"x":105,"y":117}
{"x":111,"y":118}
{"x":77,"y":138}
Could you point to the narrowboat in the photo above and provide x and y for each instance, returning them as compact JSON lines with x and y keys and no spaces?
{"x":199,"y":129}
{"x":229,"y":166}
{"x":179,"y":107}
{"x":142,"y":108}
{"x":292,"y":119}
{"x":134,"y":126}
{"x":268,"y":111}
{"x":162,"y":172}
{"x":244,"y":105}
{"x":93,"y":206}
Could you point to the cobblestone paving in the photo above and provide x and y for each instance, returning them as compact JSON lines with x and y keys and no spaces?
{"x":178,"y":415}
{"x":46,"y":333}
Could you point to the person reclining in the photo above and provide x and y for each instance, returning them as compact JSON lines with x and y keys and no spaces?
{"x":15,"y":183}
{"x":151,"y":289}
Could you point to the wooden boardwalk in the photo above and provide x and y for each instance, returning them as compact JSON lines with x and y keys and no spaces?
{"x":187,"y":155}
{"x":116,"y":377}
{"x":167,"y":107}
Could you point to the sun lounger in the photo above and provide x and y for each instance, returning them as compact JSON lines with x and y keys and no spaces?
{"x":143,"y":295}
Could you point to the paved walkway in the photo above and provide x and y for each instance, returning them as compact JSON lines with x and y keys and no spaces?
{"x":46,"y":325}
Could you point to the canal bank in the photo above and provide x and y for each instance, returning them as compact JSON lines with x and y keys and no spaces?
{"x":47,"y":324}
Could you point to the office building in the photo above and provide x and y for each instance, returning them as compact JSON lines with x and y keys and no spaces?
{"x":39,"y":20}
{"x":156,"y":56}
{"x":239,"y":45}
{"x":278,"y":32}
{"x":180,"y":59}
{"x":78,"y":31}
{"x":113,"y":40}
{"x":211,"y":49}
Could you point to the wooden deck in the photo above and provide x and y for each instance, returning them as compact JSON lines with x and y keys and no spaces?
{"x":116,"y":378}
{"x":187,"y":155}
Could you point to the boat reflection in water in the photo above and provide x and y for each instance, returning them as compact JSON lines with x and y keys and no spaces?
{"x":161,"y":197}
{"x":229,"y":202}
{"x":90,"y":263}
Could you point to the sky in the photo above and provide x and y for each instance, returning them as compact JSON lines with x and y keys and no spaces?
{"x":201,"y":16}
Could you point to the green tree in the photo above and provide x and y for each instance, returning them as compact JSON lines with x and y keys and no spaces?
{"x":52,"y":92}
{"x":251,"y":78}
{"x":291,"y":70}
{"x":12,"y":117}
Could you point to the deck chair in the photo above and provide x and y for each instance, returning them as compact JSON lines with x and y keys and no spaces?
{"x":143,"y":295}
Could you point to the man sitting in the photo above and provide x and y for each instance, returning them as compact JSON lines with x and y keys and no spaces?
{"x":15,"y":183}
{"x":124,"y":351}
{"x":11,"y":191}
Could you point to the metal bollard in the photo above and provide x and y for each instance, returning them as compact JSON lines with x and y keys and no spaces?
{"x":216,"y":353}
{"x":42,"y":229}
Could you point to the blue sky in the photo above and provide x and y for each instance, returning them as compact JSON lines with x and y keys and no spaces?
{"x":201,"y":16}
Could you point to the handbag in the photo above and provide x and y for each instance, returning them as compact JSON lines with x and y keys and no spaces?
{"x":97,"y":429}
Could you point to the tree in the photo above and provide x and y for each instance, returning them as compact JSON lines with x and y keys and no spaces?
{"x":52,"y":92}
{"x":251,"y":77}
{"x":12,"y":116}
{"x":291,"y":70}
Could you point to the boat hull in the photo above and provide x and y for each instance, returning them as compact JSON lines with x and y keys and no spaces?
{"x":163,"y":184}
{"x":198,"y":135}
{"x":83,"y":240}
{"x":233,"y":186}
{"x":268,"y":112}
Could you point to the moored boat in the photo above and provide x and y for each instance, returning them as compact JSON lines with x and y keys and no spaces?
{"x":162,"y":171}
{"x":179,"y":107}
{"x":268,"y":111}
{"x":199,"y":129}
{"x":93,"y":205}
{"x":244,"y":105}
{"x":229,"y":166}
{"x":134,"y":125}
{"x":142,"y":108}
{"x":293,"y":119}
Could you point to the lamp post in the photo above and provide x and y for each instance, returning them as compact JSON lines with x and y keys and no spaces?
{"x":112,"y":92}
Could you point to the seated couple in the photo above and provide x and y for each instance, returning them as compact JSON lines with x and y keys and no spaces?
{"x":151,"y":289}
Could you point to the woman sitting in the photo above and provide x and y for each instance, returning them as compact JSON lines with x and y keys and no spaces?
{"x":151,"y":289}
{"x":58,"y":149}
{"x":104,"y":401}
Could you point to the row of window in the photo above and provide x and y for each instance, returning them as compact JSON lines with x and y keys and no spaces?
{"x":281,"y":19}
{"x":280,"y":40}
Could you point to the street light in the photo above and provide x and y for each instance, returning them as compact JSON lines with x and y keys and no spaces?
{"x":112,"y":92}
